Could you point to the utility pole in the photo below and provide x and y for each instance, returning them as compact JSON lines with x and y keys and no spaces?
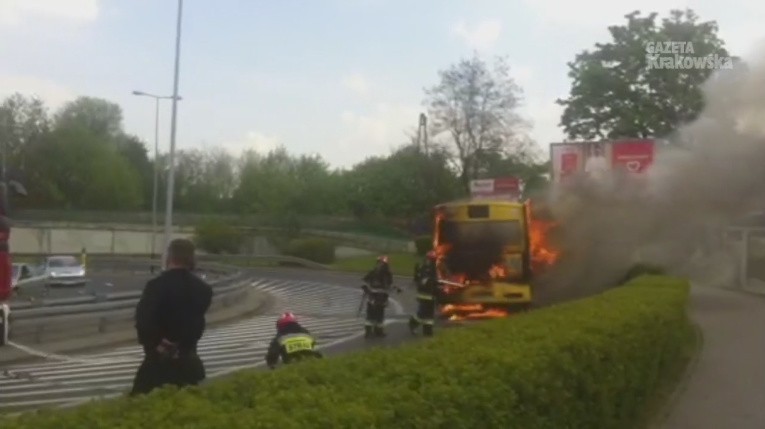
{"x":173,"y":121}
{"x":422,"y":134}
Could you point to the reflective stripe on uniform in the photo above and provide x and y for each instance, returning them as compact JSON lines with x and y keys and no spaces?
{"x":422,"y":321}
{"x":424,"y":296}
{"x":296,"y":342}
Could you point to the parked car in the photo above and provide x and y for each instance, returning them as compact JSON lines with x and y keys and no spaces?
{"x":63,"y":270}
{"x":21,"y":271}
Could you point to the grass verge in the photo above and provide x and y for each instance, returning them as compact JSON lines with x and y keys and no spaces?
{"x":402,"y":264}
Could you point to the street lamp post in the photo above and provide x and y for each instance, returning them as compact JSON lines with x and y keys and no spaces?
{"x":171,"y":173}
{"x":156,"y":165}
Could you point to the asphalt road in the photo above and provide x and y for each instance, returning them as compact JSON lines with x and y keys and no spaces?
{"x":325,"y":302}
{"x":101,"y":282}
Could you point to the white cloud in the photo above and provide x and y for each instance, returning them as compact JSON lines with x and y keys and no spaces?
{"x":375,"y":132}
{"x":545,"y":115}
{"x":357,"y":84}
{"x":597,"y":13}
{"x":739,"y":20}
{"x":523,"y":75}
{"x":15,"y":12}
{"x":481,"y":37}
{"x":253,"y":140}
{"x":53,"y":94}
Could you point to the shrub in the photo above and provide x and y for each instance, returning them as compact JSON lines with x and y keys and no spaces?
{"x":314,"y":249}
{"x":216,"y":236}
{"x":642,"y":269}
{"x":423,"y":244}
{"x":591,"y":363}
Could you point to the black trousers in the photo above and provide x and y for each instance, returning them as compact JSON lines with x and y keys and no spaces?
{"x":155,"y":372}
{"x":425,"y":316}
{"x":376,"y":310}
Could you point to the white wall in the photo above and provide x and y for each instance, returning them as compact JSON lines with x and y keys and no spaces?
{"x":73,"y":240}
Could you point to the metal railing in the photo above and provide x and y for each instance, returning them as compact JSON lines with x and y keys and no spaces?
{"x":66,"y":322}
{"x":80,"y":316}
{"x":746,"y":245}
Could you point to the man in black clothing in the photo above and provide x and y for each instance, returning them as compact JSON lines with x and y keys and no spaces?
{"x":170,"y":320}
{"x":377,"y":289}
{"x":292,"y":342}
{"x":426,"y":279}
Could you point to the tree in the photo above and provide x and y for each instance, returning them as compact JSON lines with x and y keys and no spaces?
{"x":394,"y":186}
{"x":474,"y":108}
{"x":134,"y":151}
{"x":618,"y":91}
{"x":99,"y":116}
{"x":23,"y":121}
{"x":72,"y":168}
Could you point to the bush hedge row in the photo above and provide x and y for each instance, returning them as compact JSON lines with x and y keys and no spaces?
{"x":314,"y":249}
{"x":592,"y":363}
{"x":423,"y":244}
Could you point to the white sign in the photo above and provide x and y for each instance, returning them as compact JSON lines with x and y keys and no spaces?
{"x":482,"y":186}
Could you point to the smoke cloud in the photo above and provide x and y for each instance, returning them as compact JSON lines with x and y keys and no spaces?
{"x":708,"y":174}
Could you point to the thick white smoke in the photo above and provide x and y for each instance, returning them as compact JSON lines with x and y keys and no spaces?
{"x":711,"y":172}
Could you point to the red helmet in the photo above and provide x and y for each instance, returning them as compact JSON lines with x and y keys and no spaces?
{"x":285,"y":319}
{"x":431,"y":255}
{"x":383,"y":259}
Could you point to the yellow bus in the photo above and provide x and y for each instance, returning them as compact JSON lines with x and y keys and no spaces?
{"x":484,"y":257}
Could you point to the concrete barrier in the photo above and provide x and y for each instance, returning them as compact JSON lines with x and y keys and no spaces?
{"x":50,"y":238}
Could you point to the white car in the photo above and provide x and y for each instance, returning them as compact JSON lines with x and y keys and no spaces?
{"x":21,"y":271}
{"x":63,"y":270}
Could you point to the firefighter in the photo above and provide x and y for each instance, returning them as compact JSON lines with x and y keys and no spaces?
{"x":379,"y":282}
{"x":426,"y":280}
{"x":292,"y":342}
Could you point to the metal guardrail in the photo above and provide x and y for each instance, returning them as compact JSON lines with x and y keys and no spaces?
{"x":108,"y":302}
{"x":49,"y":325}
{"x":220,"y":274}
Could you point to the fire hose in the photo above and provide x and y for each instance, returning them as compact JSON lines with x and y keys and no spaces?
{"x":365,"y":297}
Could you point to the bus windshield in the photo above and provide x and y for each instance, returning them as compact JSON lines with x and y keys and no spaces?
{"x":475,"y":247}
{"x":470,"y":234}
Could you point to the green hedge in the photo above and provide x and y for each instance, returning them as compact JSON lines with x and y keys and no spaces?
{"x":593,"y":363}
{"x":216,"y":237}
{"x":314,"y":249}
{"x":423,"y":244}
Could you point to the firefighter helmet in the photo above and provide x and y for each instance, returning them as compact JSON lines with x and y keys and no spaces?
{"x":285,"y":319}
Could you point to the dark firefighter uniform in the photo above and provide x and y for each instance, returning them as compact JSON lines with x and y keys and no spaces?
{"x":426,"y":280}
{"x":379,"y":282}
{"x":292,"y":342}
{"x":170,"y":320}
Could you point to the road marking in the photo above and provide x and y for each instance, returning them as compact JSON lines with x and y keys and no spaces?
{"x":328,"y":311}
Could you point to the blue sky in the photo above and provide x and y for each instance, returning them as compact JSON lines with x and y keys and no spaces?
{"x":342,"y":78}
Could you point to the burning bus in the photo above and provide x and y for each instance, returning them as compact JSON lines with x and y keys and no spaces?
{"x":487,"y":252}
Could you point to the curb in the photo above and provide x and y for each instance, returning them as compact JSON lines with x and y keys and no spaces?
{"x":127,"y":336}
{"x":665,"y":411}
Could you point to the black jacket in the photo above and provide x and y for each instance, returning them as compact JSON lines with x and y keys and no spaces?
{"x":426,"y":280}
{"x":379,"y":277}
{"x":280,"y":344}
{"x":173,"y":307}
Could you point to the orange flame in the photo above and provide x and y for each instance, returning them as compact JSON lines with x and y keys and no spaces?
{"x":472,"y":312}
{"x":543,"y":254}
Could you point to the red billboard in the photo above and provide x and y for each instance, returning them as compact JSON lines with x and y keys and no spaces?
{"x":635,"y":156}
{"x":597,"y":159}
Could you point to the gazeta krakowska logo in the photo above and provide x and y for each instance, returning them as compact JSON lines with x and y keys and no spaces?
{"x":682,"y":56}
